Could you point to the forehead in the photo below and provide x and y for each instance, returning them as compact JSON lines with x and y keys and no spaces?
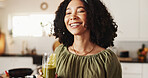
{"x":75,"y":3}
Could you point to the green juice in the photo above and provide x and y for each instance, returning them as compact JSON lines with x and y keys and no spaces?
{"x":48,"y":71}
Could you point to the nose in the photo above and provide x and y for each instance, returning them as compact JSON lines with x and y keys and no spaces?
{"x":73,"y":17}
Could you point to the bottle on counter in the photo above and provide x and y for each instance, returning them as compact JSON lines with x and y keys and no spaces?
{"x":142,"y":53}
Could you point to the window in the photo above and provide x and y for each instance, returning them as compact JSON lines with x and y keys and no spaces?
{"x":35,"y":25}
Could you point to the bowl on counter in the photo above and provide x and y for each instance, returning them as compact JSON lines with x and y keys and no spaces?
{"x":20,"y":72}
{"x":124,"y":54}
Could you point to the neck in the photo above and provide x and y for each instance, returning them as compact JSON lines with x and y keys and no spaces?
{"x":82,"y":43}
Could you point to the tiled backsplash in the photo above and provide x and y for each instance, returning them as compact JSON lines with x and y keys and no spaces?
{"x":131,"y":46}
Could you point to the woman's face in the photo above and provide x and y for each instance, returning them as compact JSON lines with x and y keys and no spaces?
{"x":75,"y":18}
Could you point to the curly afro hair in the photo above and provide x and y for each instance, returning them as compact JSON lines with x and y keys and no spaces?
{"x":99,"y":21}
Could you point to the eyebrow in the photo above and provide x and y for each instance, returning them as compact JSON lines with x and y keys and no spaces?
{"x":77,"y":7}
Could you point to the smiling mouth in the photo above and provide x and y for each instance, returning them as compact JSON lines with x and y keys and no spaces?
{"x":75,"y":24}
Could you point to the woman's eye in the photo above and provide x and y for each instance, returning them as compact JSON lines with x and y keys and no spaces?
{"x":81,"y":11}
{"x":68,"y":13}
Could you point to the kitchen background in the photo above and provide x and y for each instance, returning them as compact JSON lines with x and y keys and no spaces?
{"x":25,"y":7}
{"x":130,"y":15}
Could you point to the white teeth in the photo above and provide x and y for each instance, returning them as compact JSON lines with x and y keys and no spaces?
{"x":75,"y":24}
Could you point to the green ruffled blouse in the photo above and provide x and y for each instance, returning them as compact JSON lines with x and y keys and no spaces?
{"x":101,"y":65}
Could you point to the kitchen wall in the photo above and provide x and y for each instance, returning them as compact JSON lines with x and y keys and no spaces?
{"x":0,"y":17}
{"x":14,"y":45}
{"x":44,"y":44}
{"x":131,"y":46}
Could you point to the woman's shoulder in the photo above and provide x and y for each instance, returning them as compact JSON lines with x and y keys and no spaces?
{"x":104,"y":52}
{"x":106,"y":55}
{"x":110,"y":56}
{"x":59,"y":48}
{"x":109,"y":53}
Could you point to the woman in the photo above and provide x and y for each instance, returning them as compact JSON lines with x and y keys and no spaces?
{"x":85,"y":28}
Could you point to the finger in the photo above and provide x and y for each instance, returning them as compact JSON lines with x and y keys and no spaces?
{"x":39,"y":76}
{"x":40,"y":72}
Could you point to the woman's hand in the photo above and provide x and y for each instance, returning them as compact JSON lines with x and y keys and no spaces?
{"x":40,"y":73}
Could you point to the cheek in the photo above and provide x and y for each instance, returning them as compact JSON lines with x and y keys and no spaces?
{"x":83,"y":17}
{"x":65,"y":21}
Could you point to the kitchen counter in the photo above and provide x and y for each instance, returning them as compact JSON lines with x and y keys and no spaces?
{"x":37,"y":59}
{"x":135,"y":60}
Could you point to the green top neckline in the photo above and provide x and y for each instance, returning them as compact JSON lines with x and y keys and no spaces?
{"x":67,"y":51}
{"x":103,"y":64}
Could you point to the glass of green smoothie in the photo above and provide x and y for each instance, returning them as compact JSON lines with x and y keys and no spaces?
{"x":49,"y":65}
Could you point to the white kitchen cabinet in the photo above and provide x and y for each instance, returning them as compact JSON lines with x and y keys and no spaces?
{"x":134,"y":70}
{"x":144,"y":19}
{"x":131,"y":76}
{"x":131,"y":70}
{"x":132,"y":18}
{"x":145,"y":70}
{"x":126,"y":15}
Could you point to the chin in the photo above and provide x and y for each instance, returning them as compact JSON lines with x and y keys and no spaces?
{"x":76,"y":33}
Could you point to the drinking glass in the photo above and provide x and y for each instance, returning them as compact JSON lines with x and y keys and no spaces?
{"x":49,"y":65}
